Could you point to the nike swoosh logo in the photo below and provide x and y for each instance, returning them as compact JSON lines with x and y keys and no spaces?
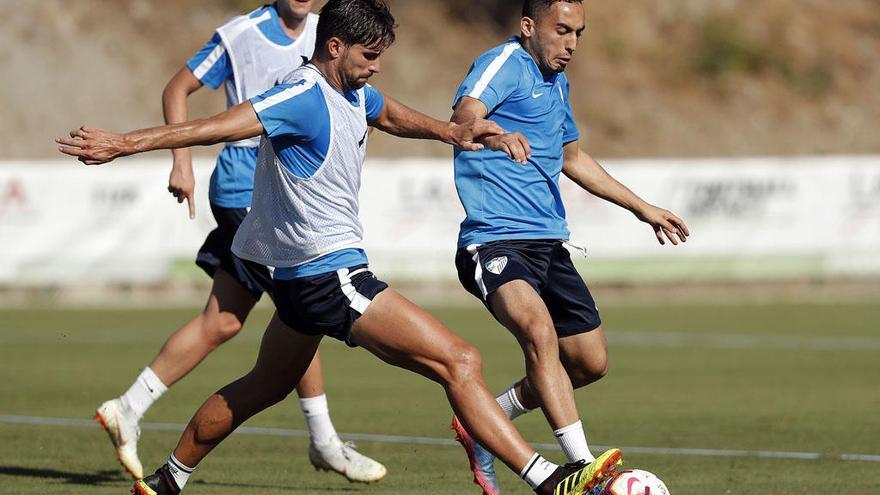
{"x":537,"y":95}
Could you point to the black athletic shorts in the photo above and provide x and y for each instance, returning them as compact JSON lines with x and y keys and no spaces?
{"x":545,"y":265}
{"x":216,"y":253}
{"x":327,"y":304}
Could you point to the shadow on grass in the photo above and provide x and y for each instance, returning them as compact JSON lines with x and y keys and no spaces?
{"x":97,"y":478}
{"x":293,"y":487}
{"x":114,"y":477}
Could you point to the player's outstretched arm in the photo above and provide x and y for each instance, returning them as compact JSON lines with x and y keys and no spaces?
{"x":587,"y":173}
{"x":400,"y":120}
{"x":514,"y":144}
{"x":97,"y":146}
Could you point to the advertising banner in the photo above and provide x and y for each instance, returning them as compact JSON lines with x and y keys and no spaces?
{"x":65,"y":224}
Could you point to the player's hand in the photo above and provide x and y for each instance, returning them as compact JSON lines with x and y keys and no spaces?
{"x":182,"y":183}
{"x":514,"y":144}
{"x":664,"y":223}
{"x":467,"y":135}
{"x":93,"y":146}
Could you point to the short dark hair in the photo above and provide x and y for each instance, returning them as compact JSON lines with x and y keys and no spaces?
{"x":531,"y":8}
{"x":356,"y":22}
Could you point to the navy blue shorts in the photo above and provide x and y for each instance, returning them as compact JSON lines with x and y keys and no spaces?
{"x":216,"y":253}
{"x":546,"y":266}
{"x":327,"y":304}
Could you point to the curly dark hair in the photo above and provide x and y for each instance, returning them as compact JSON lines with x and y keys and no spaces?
{"x":357,"y":22}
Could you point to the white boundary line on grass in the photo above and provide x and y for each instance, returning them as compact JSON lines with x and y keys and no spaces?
{"x":365,"y":437}
{"x":735,"y":341}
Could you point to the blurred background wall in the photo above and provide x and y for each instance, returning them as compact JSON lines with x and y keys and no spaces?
{"x":675,"y":79}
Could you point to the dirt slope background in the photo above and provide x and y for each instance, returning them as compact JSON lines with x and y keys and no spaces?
{"x":651,"y":78}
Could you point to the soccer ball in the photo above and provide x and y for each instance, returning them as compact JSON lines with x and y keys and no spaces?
{"x":634,"y":482}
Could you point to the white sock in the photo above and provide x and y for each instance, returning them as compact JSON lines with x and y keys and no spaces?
{"x":537,"y":470}
{"x":179,"y":471}
{"x":510,"y":404}
{"x":145,"y":390}
{"x":574,"y":442}
{"x":317,"y":415}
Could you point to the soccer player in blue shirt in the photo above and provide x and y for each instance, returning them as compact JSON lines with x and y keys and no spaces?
{"x":304,"y":220}
{"x":248,"y":55}
{"x":511,"y":248}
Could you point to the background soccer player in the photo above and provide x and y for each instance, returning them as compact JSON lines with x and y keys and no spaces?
{"x":511,"y":251}
{"x":304,"y":221}
{"x":248,"y":55}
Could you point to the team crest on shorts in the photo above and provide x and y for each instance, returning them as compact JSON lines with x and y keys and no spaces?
{"x":497,"y":265}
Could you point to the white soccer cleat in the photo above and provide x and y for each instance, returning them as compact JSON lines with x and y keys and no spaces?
{"x":345,"y":460}
{"x":124,"y":434}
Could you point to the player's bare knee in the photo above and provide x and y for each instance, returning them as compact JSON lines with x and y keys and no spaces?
{"x":221,"y":327}
{"x":462,"y":362}
{"x":540,"y":343}
{"x":587,"y":373}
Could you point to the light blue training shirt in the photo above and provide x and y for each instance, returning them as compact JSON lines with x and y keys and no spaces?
{"x":232,"y":182}
{"x":299,"y":129}
{"x":504,"y":200}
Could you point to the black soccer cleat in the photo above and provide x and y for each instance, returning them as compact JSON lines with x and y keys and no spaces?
{"x":159,"y":483}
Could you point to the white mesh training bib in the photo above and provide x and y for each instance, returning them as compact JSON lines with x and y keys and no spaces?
{"x":258,"y":64}
{"x":295,"y":220}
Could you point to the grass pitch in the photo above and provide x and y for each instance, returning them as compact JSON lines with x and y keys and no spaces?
{"x":761,"y":380}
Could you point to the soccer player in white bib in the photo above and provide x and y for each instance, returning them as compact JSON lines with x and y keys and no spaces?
{"x":305,"y":222}
{"x":511,"y":248}
{"x":248,"y":55}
